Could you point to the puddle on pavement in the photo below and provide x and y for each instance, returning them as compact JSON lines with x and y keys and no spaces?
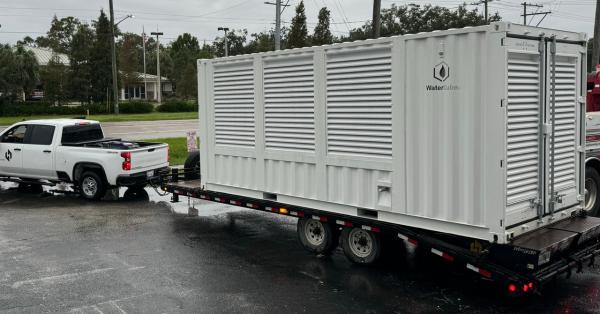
{"x":186,"y":206}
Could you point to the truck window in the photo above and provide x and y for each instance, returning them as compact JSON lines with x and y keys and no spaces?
{"x":82,"y":133}
{"x":41,"y":135}
{"x":15,"y":135}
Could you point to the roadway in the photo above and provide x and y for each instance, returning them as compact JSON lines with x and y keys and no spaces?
{"x":61,"y":254}
{"x":141,"y":130}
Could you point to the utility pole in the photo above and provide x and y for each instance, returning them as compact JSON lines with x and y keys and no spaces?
{"x":225,"y":29}
{"x":596,"y":48}
{"x":144,"y":53}
{"x":485,"y":10}
{"x":279,"y":8}
{"x":158,"y":79}
{"x":114,"y":57}
{"x":525,"y":14}
{"x":376,"y":18}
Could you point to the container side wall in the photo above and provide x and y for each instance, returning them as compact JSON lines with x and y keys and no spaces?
{"x":445,"y":127}
{"x":359,"y":125}
{"x":289,"y":125}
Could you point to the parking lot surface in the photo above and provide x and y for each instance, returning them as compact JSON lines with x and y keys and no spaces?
{"x":62,"y":254}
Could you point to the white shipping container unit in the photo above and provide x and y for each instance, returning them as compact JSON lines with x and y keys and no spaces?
{"x":449,"y":131}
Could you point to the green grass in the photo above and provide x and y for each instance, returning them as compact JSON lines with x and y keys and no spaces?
{"x":177,"y":149}
{"x":154,"y":116}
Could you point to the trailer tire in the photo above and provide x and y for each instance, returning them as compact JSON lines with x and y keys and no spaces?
{"x":592,"y":191}
{"x":316,"y":236}
{"x":136,"y":193}
{"x":361,"y":246}
{"x":91,"y":186}
{"x":192,"y":166}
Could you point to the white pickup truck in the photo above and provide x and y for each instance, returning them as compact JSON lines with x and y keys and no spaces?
{"x":76,"y":151}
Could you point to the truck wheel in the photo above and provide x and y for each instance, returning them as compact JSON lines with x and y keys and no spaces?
{"x":592,"y":193}
{"x":316,"y":236}
{"x":361,"y":246}
{"x":91,"y":186}
{"x":192,"y":166}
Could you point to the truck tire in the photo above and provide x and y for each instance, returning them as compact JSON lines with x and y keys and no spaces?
{"x":192,"y":166}
{"x":91,"y":186}
{"x":592,"y":191}
{"x":361,"y":246}
{"x":316,"y":236}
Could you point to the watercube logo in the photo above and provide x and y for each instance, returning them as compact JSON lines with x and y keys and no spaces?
{"x":441,"y":72}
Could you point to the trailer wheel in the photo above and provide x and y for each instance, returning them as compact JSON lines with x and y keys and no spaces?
{"x":361,"y":246}
{"x":192,"y":166}
{"x":91,"y":186}
{"x":592,"y":192}
{"x":136,"y":193}
{"x":316,"y":236}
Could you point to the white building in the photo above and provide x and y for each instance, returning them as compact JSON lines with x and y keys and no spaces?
{"x":137,"y":91}
{"x":44,"y":55}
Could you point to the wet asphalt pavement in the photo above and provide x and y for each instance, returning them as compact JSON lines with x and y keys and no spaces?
{"x":63,"y":254}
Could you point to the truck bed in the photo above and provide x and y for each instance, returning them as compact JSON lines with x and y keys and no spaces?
{"x":110,"y":143}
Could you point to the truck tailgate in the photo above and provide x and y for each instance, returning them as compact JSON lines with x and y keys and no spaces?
{"x":149,"y":157}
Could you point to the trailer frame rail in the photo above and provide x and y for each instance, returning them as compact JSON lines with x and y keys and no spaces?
{"x":516,"y":282}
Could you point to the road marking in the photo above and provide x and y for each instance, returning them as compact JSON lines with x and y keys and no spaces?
{"x":113,"y":303}
{"x":52,"y":279}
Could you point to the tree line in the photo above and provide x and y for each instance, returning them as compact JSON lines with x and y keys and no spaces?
{"x":87,"y":78}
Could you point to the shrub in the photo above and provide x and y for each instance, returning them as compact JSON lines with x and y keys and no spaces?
{"x":178,"y":106}
{"x":42,"y":108}
{"x":136,"y":107}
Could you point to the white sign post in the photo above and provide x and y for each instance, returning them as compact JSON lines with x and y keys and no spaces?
{"x":192,"y":141}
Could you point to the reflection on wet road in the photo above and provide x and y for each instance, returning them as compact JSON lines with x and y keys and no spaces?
{"x":62,"y":254}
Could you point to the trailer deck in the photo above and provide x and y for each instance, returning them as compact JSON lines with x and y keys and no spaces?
{"x":574,"y":243}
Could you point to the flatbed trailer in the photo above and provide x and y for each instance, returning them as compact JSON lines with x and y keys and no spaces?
{"x":469,"y":143}
{"x":506,"y":265}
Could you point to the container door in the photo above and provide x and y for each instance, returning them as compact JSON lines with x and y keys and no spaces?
{"x":544,"y":135}
{"x":525,"y":140}
{"x":563,"y":116}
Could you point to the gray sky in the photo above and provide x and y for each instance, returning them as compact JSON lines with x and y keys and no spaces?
{"x":202,"y":17}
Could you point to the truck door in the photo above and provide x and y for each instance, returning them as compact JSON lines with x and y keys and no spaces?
{"x":38,"y":153}
{"x":11,"y":151}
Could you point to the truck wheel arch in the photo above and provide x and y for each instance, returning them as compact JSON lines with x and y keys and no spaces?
{"x":82,"y":167}
{"x":592,"y":171}
{"x":593,"y":162}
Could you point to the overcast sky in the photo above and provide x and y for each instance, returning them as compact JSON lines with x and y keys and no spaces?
{"x":202,"y":17}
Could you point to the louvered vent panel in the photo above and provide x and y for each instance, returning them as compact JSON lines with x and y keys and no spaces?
{"x":289,"y":104}
{"x":359,"y":102}
{"x":234,"y":105}
{"x":565,"y":131}
{"x":522,"y":128}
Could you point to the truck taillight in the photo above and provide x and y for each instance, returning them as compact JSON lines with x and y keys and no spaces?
{"x":168,"y":154}
{"x":126,"y":160}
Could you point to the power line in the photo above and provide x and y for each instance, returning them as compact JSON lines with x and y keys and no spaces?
{"x":525,"y":14}
{"x":485,"y":3}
